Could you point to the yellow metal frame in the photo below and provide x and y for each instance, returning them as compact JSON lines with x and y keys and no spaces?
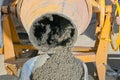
{"x":98,"y":54}
{"x":115,"y":48}
{"x":12,"y":48}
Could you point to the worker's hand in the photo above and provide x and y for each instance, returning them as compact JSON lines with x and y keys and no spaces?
{"x":118,"y":20}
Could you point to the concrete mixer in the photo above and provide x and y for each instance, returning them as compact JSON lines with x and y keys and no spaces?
{"x":54,"y":18}
{"x":50,"y":24}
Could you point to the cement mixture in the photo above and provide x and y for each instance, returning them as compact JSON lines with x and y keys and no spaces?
{"x":60,"y":66}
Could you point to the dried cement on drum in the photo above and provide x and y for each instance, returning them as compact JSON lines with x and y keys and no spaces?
{"x":60,"y":66}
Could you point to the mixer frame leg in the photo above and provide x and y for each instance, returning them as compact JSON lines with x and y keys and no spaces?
{"x":8,"y":42}
{"x":12,"y":48}
{"x":8,"y":48}
{"x":102,"y":51}
{"x":101,"y":47}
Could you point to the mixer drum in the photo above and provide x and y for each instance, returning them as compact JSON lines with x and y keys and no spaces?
{"x":48,"y":22}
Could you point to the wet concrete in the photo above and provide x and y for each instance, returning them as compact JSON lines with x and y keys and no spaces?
{"x":60,"y":66}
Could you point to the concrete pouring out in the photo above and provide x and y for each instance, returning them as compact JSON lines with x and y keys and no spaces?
{"x":60,"y":66}
{"x":56,"y":35}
